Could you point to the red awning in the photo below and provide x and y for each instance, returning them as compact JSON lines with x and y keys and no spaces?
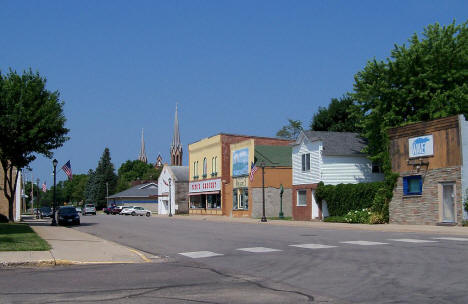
{"x":200,"y":193}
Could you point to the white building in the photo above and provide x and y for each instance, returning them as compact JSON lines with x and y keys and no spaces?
{"x":329,"y":157}
{"x":173,"y":188}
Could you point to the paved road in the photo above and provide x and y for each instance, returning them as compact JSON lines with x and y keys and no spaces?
{"x":396,"y":268}
{"x":257,"y":263}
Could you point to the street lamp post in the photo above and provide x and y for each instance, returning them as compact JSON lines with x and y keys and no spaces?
{"x":281,"y":214}
{"x":170,"y":204}
{"x":38,"y":200}
{"x":54,"y":221}
{"x":262,"y":164}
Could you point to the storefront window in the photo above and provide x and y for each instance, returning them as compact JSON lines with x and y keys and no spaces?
{"x":213,"y":201}
{"x":412,"y":185}
{"x":240,"y":199}
{"x":198,"y":201}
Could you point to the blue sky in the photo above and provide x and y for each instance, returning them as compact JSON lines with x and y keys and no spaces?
{"x":233,"y":66}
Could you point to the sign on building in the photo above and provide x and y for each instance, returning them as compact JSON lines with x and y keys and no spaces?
{"x":421,"y":146}
{"x":205,"y":186}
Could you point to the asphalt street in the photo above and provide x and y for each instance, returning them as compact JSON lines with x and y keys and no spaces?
{"x":226,"y":262}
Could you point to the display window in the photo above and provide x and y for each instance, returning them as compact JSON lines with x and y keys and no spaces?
{"x":240,"y":199}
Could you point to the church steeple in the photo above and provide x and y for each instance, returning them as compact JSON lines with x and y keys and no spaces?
{"x":142,"y":155}
{"x":176,"y":146}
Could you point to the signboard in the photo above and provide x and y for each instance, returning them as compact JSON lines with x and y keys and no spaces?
{"x":240,"y":182}
{"x":205,"y":186}
{"x":421,"y":146}
{"x":240,"y":162}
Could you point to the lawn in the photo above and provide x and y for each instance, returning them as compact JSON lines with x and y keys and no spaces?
{"x":20,"y":237}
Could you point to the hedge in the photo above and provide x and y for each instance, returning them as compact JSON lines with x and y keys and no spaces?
{"x":343,"y":198}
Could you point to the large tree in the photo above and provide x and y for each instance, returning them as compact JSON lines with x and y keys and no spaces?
{"x":135,"y":169}
{"x":31,"y":122}
{"x":341,"y":115}
{"x":291,"y":130}
{"x":425,"y":80}
{"x":104,"y":177}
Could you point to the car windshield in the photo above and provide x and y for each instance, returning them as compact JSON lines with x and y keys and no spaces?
{"x":67,"y":210}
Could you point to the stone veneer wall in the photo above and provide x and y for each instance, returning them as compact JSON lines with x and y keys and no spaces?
{"x":181,"y":197}
{"x":272,"y":202}
{"x":424,"y":209}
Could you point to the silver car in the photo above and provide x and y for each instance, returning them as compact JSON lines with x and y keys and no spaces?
{"x":89,"y":209}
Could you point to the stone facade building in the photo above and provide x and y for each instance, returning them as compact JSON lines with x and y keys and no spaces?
{"x":431,"y":159}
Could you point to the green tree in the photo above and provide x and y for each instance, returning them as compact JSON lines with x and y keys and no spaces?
{"x":425,"y":80}
{"x":132,"y":170}
{"x":74,"y":189}
{"x":104,"y":177}
{"x":31,"y":122}
{"x":89,"y":192}
{"x":291,"y":130}
{"x":341,"y":115}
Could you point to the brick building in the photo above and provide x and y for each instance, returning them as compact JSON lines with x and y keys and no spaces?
{"x":431,"y":159}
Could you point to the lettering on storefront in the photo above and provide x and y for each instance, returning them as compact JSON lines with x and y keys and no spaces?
{"x":240,"y":182}
{"x":421,"y":146}
{"x":205,"y":186}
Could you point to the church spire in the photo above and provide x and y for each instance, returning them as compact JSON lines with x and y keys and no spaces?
{"x":142,"y":156}
{"x":176,"y":147}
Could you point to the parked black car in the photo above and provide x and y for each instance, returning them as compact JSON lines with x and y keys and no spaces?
{"x":68,"y":215}
{"x":45,"y":212}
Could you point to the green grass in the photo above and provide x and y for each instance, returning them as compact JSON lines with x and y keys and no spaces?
{"x":20,"y":237}
{"x":286,"y":218}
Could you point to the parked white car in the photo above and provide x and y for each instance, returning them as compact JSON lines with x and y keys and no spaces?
{"x":136,"y":211}
{"x":89,"y":209}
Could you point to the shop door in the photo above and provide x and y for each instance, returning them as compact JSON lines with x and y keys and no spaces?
{"x":448,"y":197}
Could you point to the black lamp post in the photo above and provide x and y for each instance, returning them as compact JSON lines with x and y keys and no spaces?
{"x":262,"y":164}
{"x":281,"y":214}
{"x":169,"y":205}
{"x":54,"y":221}
{"x":38,"y":200}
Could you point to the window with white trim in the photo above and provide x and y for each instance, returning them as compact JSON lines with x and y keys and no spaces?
{"x":306,"y":162}
{"x":302,"y":198}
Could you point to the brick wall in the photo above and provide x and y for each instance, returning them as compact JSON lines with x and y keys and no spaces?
{"x":424,"y":209}
{"x":302,"y":213}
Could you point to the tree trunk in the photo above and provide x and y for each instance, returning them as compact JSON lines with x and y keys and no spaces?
{"x":9,"y":187}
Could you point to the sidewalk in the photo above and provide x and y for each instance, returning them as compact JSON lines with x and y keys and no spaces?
{"x":70,"y":246}
{"x":448,"y":230}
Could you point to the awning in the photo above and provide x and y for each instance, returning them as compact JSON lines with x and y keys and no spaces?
{"x":200,"y":193}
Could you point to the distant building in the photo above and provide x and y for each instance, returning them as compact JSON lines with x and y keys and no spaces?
{"x":431,"y":159}
{"x":176,"y":147}
{"x":142,"y":156}
{"x":143,"y":195}
{"x":329,"y":157}
{"x":173,"y":184}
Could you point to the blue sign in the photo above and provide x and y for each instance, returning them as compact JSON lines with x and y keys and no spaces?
{"x":240,"y":162}
{"x":421,"y":146}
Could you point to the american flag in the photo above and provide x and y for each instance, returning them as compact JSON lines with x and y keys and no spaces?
{"x":44,"y":187}
{"x":67,"y":169}
{"x":253,"y":169}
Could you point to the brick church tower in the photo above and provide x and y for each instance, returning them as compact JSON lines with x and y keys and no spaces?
{"x":176,"y":147}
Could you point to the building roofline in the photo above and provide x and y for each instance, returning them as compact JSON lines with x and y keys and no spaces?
{"x":243,"y":135}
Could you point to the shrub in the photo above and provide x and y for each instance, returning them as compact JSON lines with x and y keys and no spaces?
{"x":343,"y":198}
{"x":3,"y":219}
{"x":377,"y":218}
{"x":358,"y":216}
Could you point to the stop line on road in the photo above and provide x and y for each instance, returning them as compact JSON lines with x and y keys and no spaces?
{"x":205,"y":254}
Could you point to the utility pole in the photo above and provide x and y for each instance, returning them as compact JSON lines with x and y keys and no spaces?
{"x":38,"y":193}
{"x":262,"y":164}
{"x":32,"y":192}
{"x":107,"y":190}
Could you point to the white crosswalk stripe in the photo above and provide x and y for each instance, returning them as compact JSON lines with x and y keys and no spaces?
{"x":258,"y":249}
{"x":313,"y":246}
{"x":364,"y":243}
{"x":412,"y":241}
{"x":200,"y":254}
{"x":452,"y":239}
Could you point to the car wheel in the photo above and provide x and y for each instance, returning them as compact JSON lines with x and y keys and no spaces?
{"x":148,"y":214}
{"x":133,"y":213}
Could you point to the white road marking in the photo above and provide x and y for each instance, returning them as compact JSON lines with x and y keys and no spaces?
{"x":258,"y":249}
{"x":412,"y":241}
{"x":364,"y":243}
{"x":313,"y":246}
{"x":452,"y":239}
{"x":199,"y":254}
